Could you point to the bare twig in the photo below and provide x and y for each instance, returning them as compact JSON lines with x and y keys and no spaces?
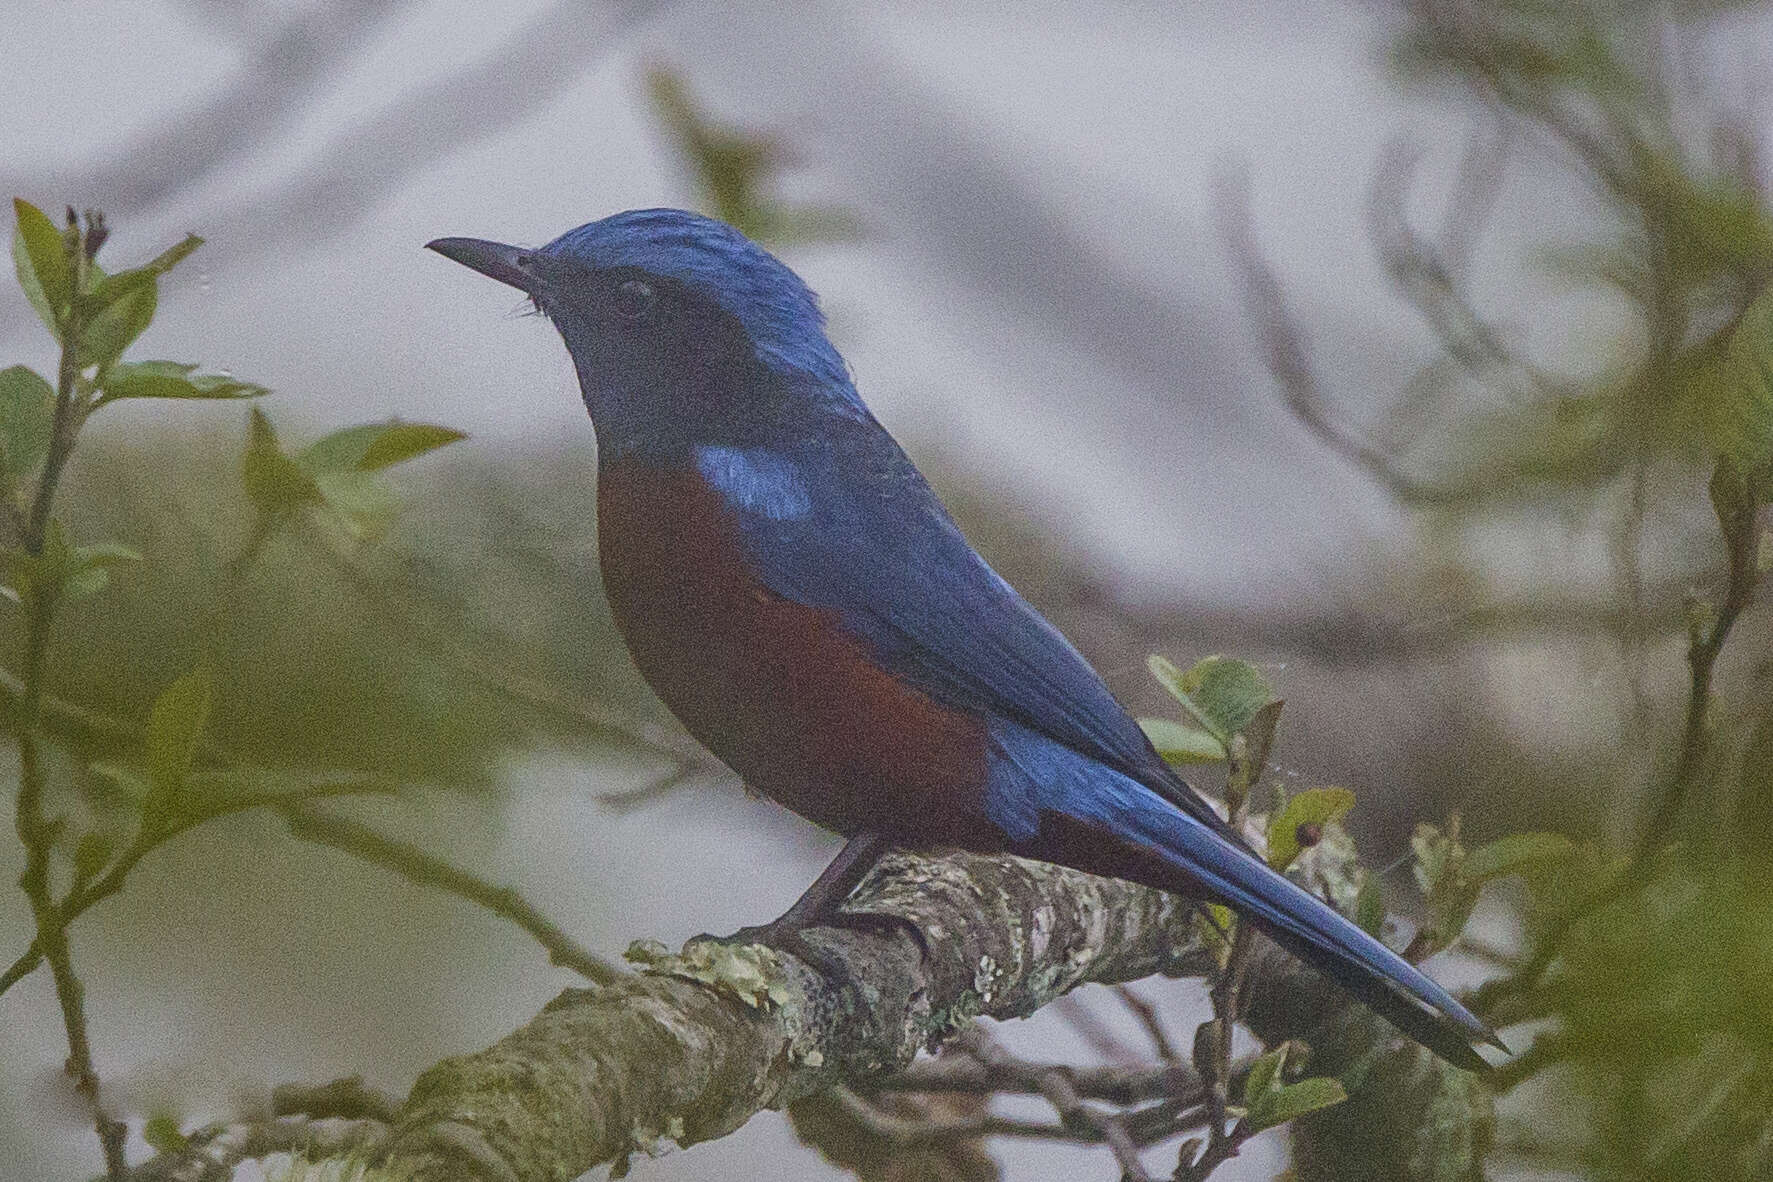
{"x":415,"y":865}
{"x":1284,"y":342}
{"x":1084,"y":1022}
{"x":1153,"y":1024}
{"x":910,"y":1131}
{"x":1125,"y":1086}
{"x":1055,"y":1084}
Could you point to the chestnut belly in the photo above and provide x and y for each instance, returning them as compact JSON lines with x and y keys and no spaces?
{"x":780,"y":691}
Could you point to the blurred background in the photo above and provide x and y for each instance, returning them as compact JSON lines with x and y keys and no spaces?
{"x":1284,"y":332}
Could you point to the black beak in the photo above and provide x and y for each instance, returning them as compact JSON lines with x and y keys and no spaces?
{"x":495,"y":260}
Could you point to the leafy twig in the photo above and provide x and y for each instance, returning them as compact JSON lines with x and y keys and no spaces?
{"x":35,"y":831}
{"x":354,"y":839}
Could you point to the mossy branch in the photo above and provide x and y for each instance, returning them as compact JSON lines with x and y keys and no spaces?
{"x":696,"y":1044}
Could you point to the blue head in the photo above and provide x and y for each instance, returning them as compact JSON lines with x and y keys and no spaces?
{"x":683,"y":331}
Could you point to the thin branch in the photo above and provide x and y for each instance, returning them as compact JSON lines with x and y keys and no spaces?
{"x":1113,"y":1085}
{"x":354,"y":839}
{"x":688,"y":758}
{"x":1430,"y":275}
{"x":1148,"y":1017}
{"x":1219,"y":1150}
{"x":273,"y":84}
{"x":1289,"y":360}
{"x":907,"y":1132}
{"x":415,"y":865}
{"x":1077,"y":1014}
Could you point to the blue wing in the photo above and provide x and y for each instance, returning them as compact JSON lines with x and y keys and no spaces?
{"x":870,"y":540}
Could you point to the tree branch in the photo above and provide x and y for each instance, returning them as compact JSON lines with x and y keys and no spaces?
{"x":693,"y":1046}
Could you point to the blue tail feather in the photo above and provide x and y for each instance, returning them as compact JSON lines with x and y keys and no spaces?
{"x":1057,"y":803}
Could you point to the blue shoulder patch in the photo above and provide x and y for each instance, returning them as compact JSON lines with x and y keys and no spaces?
{"x":756,"y":480}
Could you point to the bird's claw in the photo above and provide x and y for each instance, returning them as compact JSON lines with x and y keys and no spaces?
{"x":791,"y":938}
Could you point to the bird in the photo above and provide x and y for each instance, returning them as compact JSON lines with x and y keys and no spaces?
{"x":794,"y":591}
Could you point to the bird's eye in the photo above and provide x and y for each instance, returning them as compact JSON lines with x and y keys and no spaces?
{"x":634,"y":299}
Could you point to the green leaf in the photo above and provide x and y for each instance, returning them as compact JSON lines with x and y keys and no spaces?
{"x":105,"y":554}
{"x":89,"y":567}
{"x":364,"y":501}
{"x":1258,"y":735}
{"x":405,"y":441}
{"x":117,"y":325}
{"x":40,"y":258}
{"x":1231,"y":692}
{"x":1264,"y":1078}
{"x":1179,"y":743}
{"x":1168,"y":676}
{"x":171,"y":379}
{"x":1314,"y":806}
{"x":163,"y":1136}
{"x":27,"y":417}
{"x":1514,"y":854}
{"x":45,"y":574}
{"x":114,"y":287}
{"x":373,"y":446}
{"x":1175,"y":681}
{"x":81,"y":583}
{"x":1294,"y":1101}
{"x":1741,"y":420}
{"x":175,"y":727}
{"x":1369,"y":906}
{"x":127,"y":779}
{"x":276,"y":483}
{"x":1222,"y":694}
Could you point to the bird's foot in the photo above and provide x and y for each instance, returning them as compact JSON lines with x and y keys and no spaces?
{"x":788,"y":934}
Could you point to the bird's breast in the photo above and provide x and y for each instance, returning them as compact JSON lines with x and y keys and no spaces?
{"x":780,"y":690}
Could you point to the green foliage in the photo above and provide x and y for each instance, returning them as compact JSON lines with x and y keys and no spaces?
{"x":40,"y":259}
{"x":1180,"y":743}
{"x":169,"y":379}
{"x":60,"y":571}
{"x":1369,"y":906}
{"x":1224,"y":696}
{"x":1269,"y":1102}
{"x":115,"y":325}
{"x":175,"y":727}
{"x":736,"y":169}
{"x":27,"y":411}
{"x":275,"y":483}
{"x":112,"y":288}
{"x":335,"y":703}
{"x":1452,"y":878}
{"x":1301,"y":821}
{"x":1741,"y":419}
{"x":346,"y":468}
{"x":1665,"y":1024}
{"x":162,"y":1134}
